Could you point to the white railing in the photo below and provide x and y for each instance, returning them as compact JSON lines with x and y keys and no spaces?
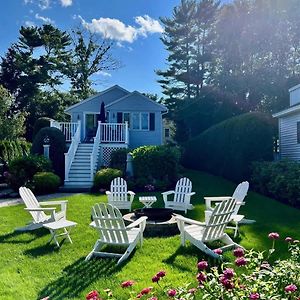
{"x":69,"y":156}
{"x":67,"y":128}
{"x":94,"y":153}
{"x":114,"y":133}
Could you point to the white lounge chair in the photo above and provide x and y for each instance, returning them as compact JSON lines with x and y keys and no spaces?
{"x":118,"y":195}
{"x":182,"y":196}
{"x":200,"y":233}
{"x":112,"y":230}
{"x":239,"y":195}
{"x":41,"y":215}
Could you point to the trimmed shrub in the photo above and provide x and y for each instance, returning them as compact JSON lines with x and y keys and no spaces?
{"x":45,"y":182}
{"x":22,"y":170}
{"x":10,"y":150}
{"x":104,"y":177}
{"x":156,"y":163}
{"x":228,"y":148}
{"x":39,"y":124}
{"x":57,"y":148}
{"x":118,"y":159}
{"x":279,"y":180}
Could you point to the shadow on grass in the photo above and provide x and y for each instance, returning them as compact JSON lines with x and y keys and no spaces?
{"x":77,"y":277}
{"x":19,"y":237}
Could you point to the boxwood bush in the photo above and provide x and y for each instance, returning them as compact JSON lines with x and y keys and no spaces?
{"x":22,"y":170}
{"x":279,"y":180}
{"x":57,"y":148}
{"x":118,"y":159}
{"x":45,"y":182}
{"x":228,"y":148}
{"x":39,"y":124}
{"x":104,"y":177}
{"x":10,"y":150}
{"x":153,"y":164}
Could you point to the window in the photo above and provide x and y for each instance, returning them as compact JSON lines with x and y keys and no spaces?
{"x":298,"y":132}
{"x":144,"y":121}
{"x":167,"y":132}
{"x":136,"y":121}
{"x":126,"y":118}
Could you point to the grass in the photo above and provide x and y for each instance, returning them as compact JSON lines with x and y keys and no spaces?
{"x":32,"y":269}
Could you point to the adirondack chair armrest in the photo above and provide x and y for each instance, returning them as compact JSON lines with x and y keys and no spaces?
{"x":40,"y":209}
{"x":188,"y":196}
{"x":182,"y":219}
{"x":108,"y":193}
{"x":62,"y":203}
{"x":131,"y":193}
{"x":210,"y":200}
{"x":139,"y":222}
{"x":168,"y":193}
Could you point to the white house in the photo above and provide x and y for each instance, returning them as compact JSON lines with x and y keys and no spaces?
{"x":289,"y":127}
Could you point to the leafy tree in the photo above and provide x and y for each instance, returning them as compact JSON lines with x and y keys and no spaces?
{"x":90,"y":56}
{"x":11,"y":125}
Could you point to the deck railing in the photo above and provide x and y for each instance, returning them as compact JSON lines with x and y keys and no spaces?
{"x":69,"y":156}
{"x":68,"y":128}
{"x":114,"y":132}
{"x":95,"y":154}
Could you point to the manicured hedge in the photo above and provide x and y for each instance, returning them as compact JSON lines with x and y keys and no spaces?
{"x":228,"y":148}
{"x":118,"y":159}
{"x":57,"y":148}
{"x":156,"y":163}
{"x":279,"y":180}
{"x":104,"y":177}
{"x":10,"y":150}
{"x":45,"y":183}
{"x":39,"y":124}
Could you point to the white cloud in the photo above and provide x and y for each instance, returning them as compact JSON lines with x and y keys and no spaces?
{"x":116,"y":30}
{"x":44,"y":19}
{"x":66,"y":3}
{"x":44,"y":4}
{"x":29,"y":24}
{"x":103,"y":73}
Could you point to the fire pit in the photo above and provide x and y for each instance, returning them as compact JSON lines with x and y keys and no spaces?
{"x":160,"y":222}
{"x":154,"y":214}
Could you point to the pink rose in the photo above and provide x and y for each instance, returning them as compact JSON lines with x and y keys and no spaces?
{"x":155,"y":278}
{"x":172,"y":293}
{"x":238,"y":252}
{"x":227,"y":283}
{"x":127,"y":283}
{"x":228,"y":273}
{"x":146,"y":291}
{"x":218,"y":251}
{"x":202,"y":265}
{"x":240,"y":261}
{"x":288,"y":239}
{"x":201,"y":277}
{"x":161,"y":274}
{"x":273,"y":236}
{"x":254,"y":296}
{"x":290,"y":288}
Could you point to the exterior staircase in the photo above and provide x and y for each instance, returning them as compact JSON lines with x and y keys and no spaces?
{"x":80,"y":171}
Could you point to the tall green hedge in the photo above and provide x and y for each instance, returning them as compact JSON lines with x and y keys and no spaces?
{"x":228,"y":148}
{"x":39,"y":124}
{"x":156,"y":162}
{"x":10,"y":150}
{"x":57,"y":148}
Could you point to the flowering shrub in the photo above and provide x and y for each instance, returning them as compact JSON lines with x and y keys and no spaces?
{"x":249,"y":277}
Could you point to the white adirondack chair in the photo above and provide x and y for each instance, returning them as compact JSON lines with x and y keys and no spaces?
{"x":239,"y":195}
{"x":41,"y":215}
{"x":118,"y":195}
{"x":200,"y":233}
{"x":182,"y":196}
{"x":112,"y":230}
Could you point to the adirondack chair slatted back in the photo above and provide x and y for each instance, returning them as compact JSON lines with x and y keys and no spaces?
{"x":239,"y":195}
{"x":183,"y":187}
{"x":109,"y":222}
{"x":219,"y":219}
{"x":31,"y":202}
{"x":118,"y":189}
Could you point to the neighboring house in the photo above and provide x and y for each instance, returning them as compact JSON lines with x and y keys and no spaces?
{"x":289,"y":127}
{"x":132,"y":120}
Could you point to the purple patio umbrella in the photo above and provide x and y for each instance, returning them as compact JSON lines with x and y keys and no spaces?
{"x":102,"y":113}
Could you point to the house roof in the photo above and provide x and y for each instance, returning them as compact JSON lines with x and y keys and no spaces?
{"x":288,"y":111}
{"x":67,"y":110}
{"x":158,"y":105}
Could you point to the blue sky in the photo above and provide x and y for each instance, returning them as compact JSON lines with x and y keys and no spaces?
{"x":133,"y":24}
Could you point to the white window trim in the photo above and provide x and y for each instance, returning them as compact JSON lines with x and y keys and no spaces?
{"x":140,"y":123}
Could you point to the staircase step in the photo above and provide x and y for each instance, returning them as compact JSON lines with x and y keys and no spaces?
{"x":82,"y":180}
{"x":79,"y":175}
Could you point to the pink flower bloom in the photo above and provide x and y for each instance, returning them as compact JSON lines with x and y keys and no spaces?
{"x":202,"y":265}
{"x":153,"y":298}
{"x":192,"y":290}
{"x":240,"y":261}
{"x":93,"y":295}
{"x":172,"y":293}
{"x":254,"y":296}
{"x":273,"y":236}
{"x":238,"y":252}
{"x":290,"y":288}
{"x":226,"y":283}
{"x":201,"y":277}
{"x":218,"y":251}
{"x":228,"y":273}
{"x":161,"y":274}
{"x":155,"y":278}
{"x":127,"y":283}
{"x":139,"y":296}
{"x":288,"y":239}
{"x":146,"y":291}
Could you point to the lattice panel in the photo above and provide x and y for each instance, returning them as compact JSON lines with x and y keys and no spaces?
{"x":106,"y":154}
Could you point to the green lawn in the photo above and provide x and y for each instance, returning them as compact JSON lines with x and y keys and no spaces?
{"x":31,"y":269}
